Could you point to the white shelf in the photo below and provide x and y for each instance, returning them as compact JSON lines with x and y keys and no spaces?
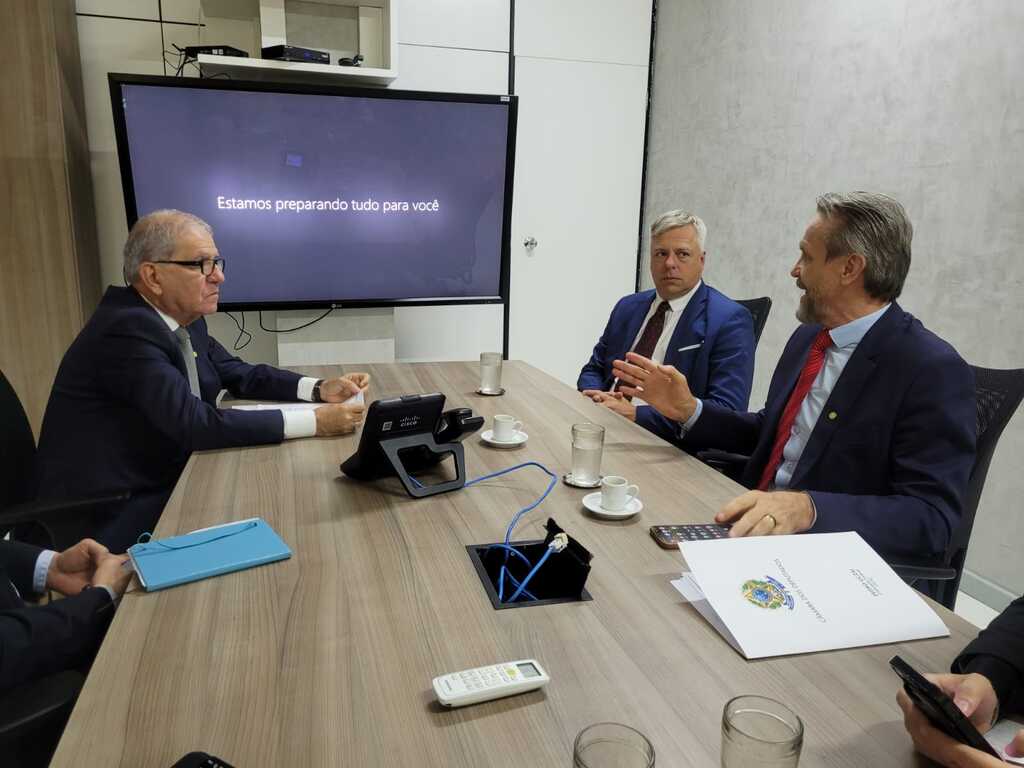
{"x":239,"y":68}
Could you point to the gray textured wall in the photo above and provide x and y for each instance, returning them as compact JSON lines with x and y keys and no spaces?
{"x":758,"y":107}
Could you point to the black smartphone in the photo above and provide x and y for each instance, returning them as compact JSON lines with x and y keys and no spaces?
{"x":669,"y":536}
{"x":939,"y":708}
{"x":200,"y":760}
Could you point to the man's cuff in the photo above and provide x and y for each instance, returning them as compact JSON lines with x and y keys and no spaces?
{"x":299,"y":423}
{"x":42,"y":569}
{"x":304,"y":392}
{"x":109,"y":591}
{"x":814,"y":510}
{"x":687,"y":425}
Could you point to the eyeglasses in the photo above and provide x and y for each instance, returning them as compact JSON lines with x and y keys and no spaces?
{"x":206,"y":266}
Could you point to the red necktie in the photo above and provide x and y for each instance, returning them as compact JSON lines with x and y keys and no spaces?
{"x":652,"y":332}
{"x":815,"y":359}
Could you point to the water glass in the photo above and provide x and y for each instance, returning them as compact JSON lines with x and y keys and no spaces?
{"x":758,"y":732}
{"x":490,"y":371}
{"x":612,"y":745}
{"x":587,"y":445}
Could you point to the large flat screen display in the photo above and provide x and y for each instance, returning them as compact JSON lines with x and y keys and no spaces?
{"x":325,"y":196}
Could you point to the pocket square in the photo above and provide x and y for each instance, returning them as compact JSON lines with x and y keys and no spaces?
{"x":692,"y":346}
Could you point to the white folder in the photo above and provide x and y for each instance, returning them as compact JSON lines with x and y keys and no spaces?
{"x":779,"y":595}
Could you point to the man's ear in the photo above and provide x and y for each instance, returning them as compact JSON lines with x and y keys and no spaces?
{"x":853,"y":267}
{"x":149,"y":277}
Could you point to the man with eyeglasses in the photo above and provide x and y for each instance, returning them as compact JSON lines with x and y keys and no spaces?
{"x":136,"y":392}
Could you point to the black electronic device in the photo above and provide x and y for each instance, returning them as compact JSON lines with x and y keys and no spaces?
{"x":193,"y":51}
{"x":354,"y":61}
{"x":200,"y":760}
{"x":940,"y":708}
{"x":410,"y":433}
{"x":296,"y":53}
{"x":669,"y":536}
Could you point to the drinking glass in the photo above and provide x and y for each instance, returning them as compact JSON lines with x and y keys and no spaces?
{"x":490,"y":371}
{"x":587,"y":445}
{"x":758,"y":732}
{"x":612,"y":745}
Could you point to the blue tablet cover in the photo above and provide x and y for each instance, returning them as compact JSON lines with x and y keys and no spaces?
{"x":208,"y":552}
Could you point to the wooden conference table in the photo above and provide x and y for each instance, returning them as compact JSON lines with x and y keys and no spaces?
{"x":326,"y":659}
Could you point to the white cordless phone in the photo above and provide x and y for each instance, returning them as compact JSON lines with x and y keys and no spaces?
{"x":472,"y":686}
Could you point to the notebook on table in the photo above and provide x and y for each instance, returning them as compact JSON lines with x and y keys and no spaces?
{"x":207,"y":552}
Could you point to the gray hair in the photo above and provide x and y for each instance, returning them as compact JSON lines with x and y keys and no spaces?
{"x":877,"y":227}
{"x":679,"y":218}
{"x":154,"y":237}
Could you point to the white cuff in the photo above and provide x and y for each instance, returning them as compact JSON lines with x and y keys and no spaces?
{"x":299,"y":423}
{"x":305,"y":390}
{"x":42,"y":569}
{"x":814,"y":510}
{"x":687,"y":425}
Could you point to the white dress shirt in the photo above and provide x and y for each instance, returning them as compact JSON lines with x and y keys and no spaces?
{"x":296,"y":423}
{"x":676,"y":307}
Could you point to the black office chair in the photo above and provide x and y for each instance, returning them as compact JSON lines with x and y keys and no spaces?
{"x":57,"y":522}
{"x":998,"y":394}
{"x":759,"y":310}
{"x":32,"y":716}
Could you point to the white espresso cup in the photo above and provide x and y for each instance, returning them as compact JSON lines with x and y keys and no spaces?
{"x":506,"y":428}
{"x":616,"y":493}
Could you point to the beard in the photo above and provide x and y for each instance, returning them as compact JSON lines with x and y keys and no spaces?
{"x":807,"y":311}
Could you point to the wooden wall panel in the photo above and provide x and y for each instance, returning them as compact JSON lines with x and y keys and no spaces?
{"x":48,"y":260}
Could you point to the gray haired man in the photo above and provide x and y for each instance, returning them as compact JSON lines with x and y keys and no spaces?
{"x":136,"y":392}
{"x":683,"y":322}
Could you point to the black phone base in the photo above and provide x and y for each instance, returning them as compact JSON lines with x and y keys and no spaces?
{"x":424,"y":442}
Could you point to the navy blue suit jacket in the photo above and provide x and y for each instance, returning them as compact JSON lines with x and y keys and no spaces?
{"x":893,"y":463}
{"x":998,"y":654}
{"x":720,"y":369}
{"x":121,"y":415}
{"x":38,"y":641}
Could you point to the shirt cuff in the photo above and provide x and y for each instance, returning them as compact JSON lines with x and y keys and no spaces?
{"x":305,"y":389}
{"x":814,"y":510}
{"x":42,"y":569}
{"x":687,"y":425}
{"x":299,"y":423}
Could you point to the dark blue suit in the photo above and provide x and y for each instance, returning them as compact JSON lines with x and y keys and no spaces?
{"x":121,"y":415}
{"x":38,"y":641}
{"x":893,"y":463}
{"x":720,"y":370}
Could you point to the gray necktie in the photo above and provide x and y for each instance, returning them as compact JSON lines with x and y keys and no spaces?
{"x":185,"y":343}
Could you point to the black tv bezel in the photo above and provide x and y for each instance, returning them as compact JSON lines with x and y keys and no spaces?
{"x":115,"y":80}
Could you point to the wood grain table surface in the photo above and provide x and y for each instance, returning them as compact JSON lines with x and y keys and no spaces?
{"x":326,"y":659}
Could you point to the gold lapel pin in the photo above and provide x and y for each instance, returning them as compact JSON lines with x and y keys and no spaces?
{"x":832,"y":415}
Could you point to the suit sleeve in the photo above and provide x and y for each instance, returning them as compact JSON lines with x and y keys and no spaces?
{"x":37,"y":641}
{"x":931,"y":456}
{"x":998,"y":654}
{"x":731,"y":367}
{"x":19,"y":561}
{"x":730,"y":378}
{"x":594,"y":374}
{"x":135,"y":369}
{"x":252,"y":381}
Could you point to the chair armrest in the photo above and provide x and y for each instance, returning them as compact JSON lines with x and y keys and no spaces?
{"x":729,"y":464}
{"x":914,"y":573}
{"x":40,"y":511}
{"x":35,"y":700}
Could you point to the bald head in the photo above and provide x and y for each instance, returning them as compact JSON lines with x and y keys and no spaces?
{"x":155,"y":236}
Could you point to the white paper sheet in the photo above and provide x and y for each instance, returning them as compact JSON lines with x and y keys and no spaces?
{"x":356,"y":399}
{"x":778,"y":595}
{"x":1000,"y":735}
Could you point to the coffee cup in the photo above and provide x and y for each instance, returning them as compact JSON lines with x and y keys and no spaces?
{"x":616,"y":493}
{"x":506,"y":428}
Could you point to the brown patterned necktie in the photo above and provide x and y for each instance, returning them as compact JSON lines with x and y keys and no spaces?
{"x":652,"y":332}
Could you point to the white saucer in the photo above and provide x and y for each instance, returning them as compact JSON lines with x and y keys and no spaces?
{"x":488,"y":437}
{"x":592,"y":501}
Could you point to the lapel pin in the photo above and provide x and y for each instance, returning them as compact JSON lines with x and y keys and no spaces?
{"x":832,"y":415}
